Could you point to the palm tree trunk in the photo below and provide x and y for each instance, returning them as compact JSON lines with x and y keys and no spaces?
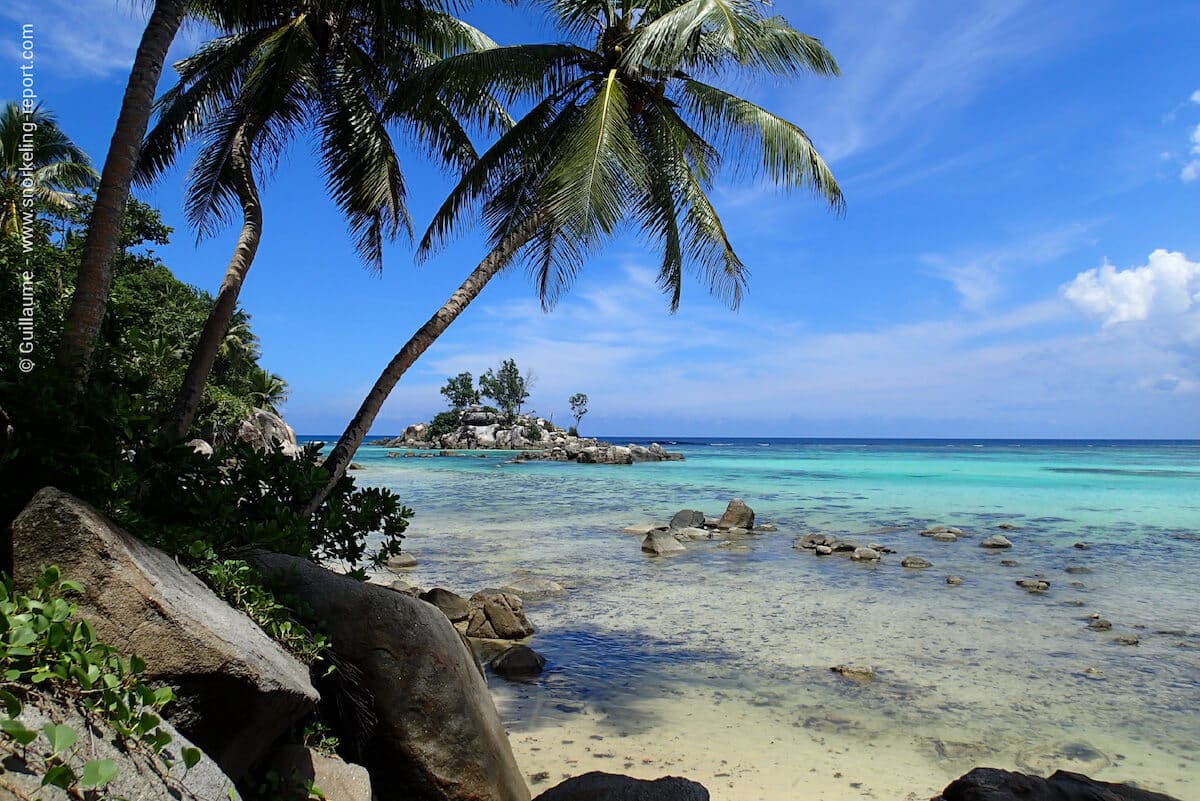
{"x":82,"y":328}
{"x":339,"y":458}
{"x":217,"y":324}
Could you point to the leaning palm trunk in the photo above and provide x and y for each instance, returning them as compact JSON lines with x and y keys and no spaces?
{"x":339,"y":459}
{"x":82,"y":329}
{"x":217,"y":324}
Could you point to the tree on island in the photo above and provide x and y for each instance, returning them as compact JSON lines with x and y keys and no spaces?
{"x":579,"y":407}
{"x":507,"y":387}
{"x":620,"y":130}
{"x":460,"y":391}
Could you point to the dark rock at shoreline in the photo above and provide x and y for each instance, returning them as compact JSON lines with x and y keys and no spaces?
{"x":597,"y":786}
{"x":402,"y":561}
{"x":1083,"y":546}
{"x":455,"y":607}
{"x":993,"y":784}
{"x":519,"y":662}
{"x":237,"y":689}
{"x":1100,"y":624}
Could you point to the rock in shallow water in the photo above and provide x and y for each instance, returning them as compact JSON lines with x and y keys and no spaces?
{"x":535,"y":589}
{"x":737,"y":515}
{"x":856,"y":672}
{"x":659,"y":543}
{"x":915,"y":562}
{"x":519,"y":662}
{"x":498,"y":615}
{"x":687,"y":518}
{"x":865,"y":555}
{"x":453,"y":605}
{"x":954,"y":581}
{"x":996,"y":541}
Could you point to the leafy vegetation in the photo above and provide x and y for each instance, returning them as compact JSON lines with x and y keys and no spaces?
{"x":444,"y":422}
{"x":579,"y":407}
{"x":42,"y":646}
{"x":507,"y":387}
{"x":460,"y":391}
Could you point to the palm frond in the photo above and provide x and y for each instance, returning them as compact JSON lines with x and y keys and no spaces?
{"x":786,"y":155}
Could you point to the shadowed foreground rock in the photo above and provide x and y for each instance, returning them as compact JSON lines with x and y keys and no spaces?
{"x":238,"y":689}
{"x":597,"y":786}
{"x":439,"y":736}
{"x":993,"y":784}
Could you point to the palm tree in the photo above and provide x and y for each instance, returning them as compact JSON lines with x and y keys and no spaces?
{"x":81,"y":330}
{"x":268,"y":390}
{"x":623,"y":131}
{"x":34,"y":149}
{"x":318,"y":65}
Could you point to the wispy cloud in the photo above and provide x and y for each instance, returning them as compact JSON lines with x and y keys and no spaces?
{"x":88,"y":38}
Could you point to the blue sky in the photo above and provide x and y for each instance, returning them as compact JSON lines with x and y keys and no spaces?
{"x":1020,"y":255}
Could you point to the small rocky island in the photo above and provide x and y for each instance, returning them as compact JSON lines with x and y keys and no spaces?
{"x":480,"y":428}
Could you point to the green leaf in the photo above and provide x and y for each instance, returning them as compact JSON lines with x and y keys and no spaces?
{"x":59,"y":776}
{"x":136,"y":664}
{"x":70,"y":586}
{"x":61,"y":737}
{"x":191,"y":756}
{"x":16,"y":730}
{"x":12,"y":706}
{"x":98,"y":772}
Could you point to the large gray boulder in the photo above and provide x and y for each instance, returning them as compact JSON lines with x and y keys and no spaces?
{"x":140,"y":775}
{"x":737,"y":515}
{"x":598,"y":786}
{"x":438,"y":736}
{"x":238,"y":689}
{"x":993,"y":784}
{"x":266,"y":430}
{"x":659,"y":543}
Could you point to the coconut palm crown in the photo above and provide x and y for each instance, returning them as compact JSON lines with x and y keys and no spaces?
{"x":35,"y":151}
{"x":633,"y":129}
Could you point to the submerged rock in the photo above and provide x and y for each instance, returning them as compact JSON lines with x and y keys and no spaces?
{"x":402,"y":561}
{"x":535,"y":589}
{"x":996,"y":541}
{"x":915,"y":562}
{"x":823,"y":550}
{"x":642,"y":528}
{"x":856,"y":672}
{"x":1100,"y":624}
{"x":865,"y":555}
{"x":954,"y":581}
{"x":1033,"y":585}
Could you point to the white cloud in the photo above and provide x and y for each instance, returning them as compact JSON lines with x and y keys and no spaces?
{"x":1191,"y":170}
{"x":93,"y":38}
{"x":1165,"y":291}
{"x":1196,"y":97}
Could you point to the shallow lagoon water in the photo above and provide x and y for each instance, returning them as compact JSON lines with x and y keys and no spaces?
{"x":715,"y":664}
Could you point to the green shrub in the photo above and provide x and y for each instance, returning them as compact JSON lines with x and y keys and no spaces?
{"x":533,"y":432}
{"x":444,"y":423}
{"x":43,"y":646}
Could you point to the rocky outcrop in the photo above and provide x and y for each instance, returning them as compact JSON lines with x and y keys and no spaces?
{"x":266,"y":430}
{"x":453,"y":606}
{"x":238,"y":689}
{"x":438,"y":736}
{"x":498,"y":615}
{"x":659,"y":543}
{"x":686,"y":518}
{"x":597,"y":786}
{"x":140,"y":776}
{"x":537,"y":438}
{"x":993,"y":784}
{"x":301,"y":767}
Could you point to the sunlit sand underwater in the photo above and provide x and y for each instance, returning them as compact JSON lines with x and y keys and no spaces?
{"x":715,"y":664}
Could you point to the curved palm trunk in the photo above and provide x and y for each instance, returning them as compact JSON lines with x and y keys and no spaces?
{"x":82,"y":328}
{"x":217,"y":324}
{"x":339,"y":459}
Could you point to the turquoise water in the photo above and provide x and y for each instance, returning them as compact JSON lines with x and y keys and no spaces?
{"x":674,"y":655}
